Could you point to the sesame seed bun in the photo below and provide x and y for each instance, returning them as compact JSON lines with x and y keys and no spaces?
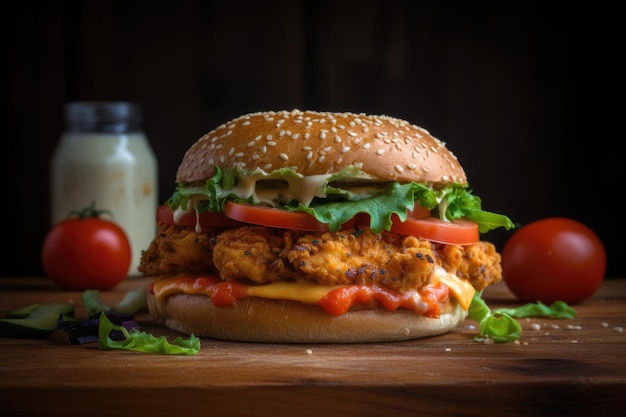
{"x":316,"y":143}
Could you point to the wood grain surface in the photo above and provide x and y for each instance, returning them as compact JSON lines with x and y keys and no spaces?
{"x":559,"y":367}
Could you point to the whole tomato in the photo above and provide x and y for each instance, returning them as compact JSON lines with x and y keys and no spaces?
{"x":553,"y":259}
{"x":86,"y":251}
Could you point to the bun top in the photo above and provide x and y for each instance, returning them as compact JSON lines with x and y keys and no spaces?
{"x":316,"y":143}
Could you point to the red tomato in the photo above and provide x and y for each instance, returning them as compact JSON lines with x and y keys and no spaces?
{"x":86,"y":253}
{"x":553,"y":259}
{"x":455,"y":232}
{"x":273,"y":217}
{"x":207,"y":219}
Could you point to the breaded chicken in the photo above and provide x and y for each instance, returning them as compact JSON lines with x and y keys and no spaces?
{"x":177,"y":249}
{"x":478,"y":263}
{"x":265,"y":255}
{"x":361,"y":257}
{"x":255,"y":253}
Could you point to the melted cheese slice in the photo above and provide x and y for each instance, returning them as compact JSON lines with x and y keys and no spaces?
{"x":305,"y":291}
{"x":460,"y":289}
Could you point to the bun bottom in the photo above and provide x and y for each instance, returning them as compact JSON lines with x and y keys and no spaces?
{"x":282,"y":321}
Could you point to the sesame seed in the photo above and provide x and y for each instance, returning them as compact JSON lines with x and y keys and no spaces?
{"x":309,"y":155}
{"x":251,"y":144}
{"x":306,"y":148}
{"x":366,"y":146}
{"x":399,"y":168}
{"x":246,"y":123}
{"x":239,"y":154}
{"x":380,"y":152}
{"x":258,"y":138}
{"x":353,"y":134}
{"x":327,"y":149}
{"x":306,"y":135}
{"x":284,"y":156}
{"x":271,"y":143}
{"x":321,"y":158}
{"x":267,"y":166}
{"x":282,"y":133}
{"x":412,"y":166}
{"x":255,"y":157}
{"x":323,"y":135}
{"x":231,"y":151}
{"x":268,"y":137}
{"x":345,"y":149}
{"x":337,"y":139}
{"x":295,"y":136}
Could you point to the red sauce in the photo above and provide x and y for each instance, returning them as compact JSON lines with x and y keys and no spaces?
{"x":336,"y":302}
{"x":339,"y":301}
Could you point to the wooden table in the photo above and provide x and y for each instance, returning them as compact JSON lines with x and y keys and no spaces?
{"x":564,"y":367}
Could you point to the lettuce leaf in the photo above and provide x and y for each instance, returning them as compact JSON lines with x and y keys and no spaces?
{"x":137,"y":340}
{"x":336,"y":206}
{"x":557,"y":310}
{"x":499,"y":327}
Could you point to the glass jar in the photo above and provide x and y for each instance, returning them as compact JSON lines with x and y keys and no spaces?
{"x":104,"y":157}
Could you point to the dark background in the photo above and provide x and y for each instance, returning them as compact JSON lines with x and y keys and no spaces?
{"x":528,"y":95}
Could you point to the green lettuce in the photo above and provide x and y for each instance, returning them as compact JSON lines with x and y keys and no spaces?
{"x":499,"y":327}
{"x":335,"y":206}
{"x":557,"y":310}
{"x":140,"y":341}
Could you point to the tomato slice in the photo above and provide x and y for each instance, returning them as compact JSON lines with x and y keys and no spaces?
{"x":191,"y":219}
{"x":418,"y":212}
{"x":274,"y":217}
{"x":455,"y":232}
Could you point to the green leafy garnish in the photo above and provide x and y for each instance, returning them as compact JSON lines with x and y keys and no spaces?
{"x":132,"y":302}
{"x":499,"y":326}
{"x":334,"y":205}
{"x":137,"y":340}
{"x":557,"y":310}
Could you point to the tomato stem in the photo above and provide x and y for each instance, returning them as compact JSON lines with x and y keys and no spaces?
{"x":89,"y":211}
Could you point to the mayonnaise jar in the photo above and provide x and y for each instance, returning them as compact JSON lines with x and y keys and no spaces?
{"x":104,"y":157}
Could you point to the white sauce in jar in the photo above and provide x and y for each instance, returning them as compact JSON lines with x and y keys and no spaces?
{"x":117,"y":171}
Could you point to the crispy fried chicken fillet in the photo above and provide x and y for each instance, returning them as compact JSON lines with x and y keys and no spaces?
{"x":356,"y":256}
{"x":178,"y":249}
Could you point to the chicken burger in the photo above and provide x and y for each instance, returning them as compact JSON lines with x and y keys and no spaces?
{"x":310,"y":227}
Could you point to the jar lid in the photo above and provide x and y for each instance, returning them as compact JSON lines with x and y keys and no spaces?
{"x":103,"y":116}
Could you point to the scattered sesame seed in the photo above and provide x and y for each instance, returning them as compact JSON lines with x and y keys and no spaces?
{"x":399,"y":168}
{"x":380,"y":152}
{"x":345,"y":149}
{"x":284,"y":156}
